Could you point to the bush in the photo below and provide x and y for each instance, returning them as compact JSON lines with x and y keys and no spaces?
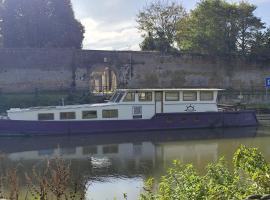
{"x":249,"y":176}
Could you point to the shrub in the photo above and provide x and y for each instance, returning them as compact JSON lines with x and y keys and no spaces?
{"x":249,"y":176}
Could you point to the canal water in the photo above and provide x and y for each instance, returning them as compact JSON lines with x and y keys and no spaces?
{"x":117,"y":163}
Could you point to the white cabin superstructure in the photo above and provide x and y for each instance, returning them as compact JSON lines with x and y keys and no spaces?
{"x":127,"y":104}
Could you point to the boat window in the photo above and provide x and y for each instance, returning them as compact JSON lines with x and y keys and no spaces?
{"x":45,"y":116}
{"x":145,"y":96}
{"x":67,"y":115}
{"x":113,"y":113}
{"x":119,"y":97}
{"x":114,"y":96}
{"x":130,"y":96}
{"x":206,"y":96}
{"x":189,"y":95}
{"x":172,"y":96}
{"x":89,"y":114}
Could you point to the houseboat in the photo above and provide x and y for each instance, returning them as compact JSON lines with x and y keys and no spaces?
{"x":129,"y":110}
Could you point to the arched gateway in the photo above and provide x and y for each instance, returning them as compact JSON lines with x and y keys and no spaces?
{"x":103,"y":80}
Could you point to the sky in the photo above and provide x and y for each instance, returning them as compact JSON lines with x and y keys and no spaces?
{"x":111,"y":24}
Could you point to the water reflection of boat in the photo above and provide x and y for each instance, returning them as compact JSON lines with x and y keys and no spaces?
{"x":100,"y":162}
{"x":19,"y":144}
{"x":113,"y":155}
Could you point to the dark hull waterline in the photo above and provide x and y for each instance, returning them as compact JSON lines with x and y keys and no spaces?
{"x":161,"y":121}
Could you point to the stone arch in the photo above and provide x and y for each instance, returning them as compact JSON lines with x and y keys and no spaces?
{"x":103,"y":79}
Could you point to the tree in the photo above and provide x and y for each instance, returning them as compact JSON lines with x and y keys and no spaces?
{"x":219,"y":27}
{"x":159,"y":20}
{"x":248,"y":26}
{"x":260,"y":46}
{"x":209,"y":28}
{"x":149,"y":43}
{"x":160,"y":43}
{"x":40,"y":23}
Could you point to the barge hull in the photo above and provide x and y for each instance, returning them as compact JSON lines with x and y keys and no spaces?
{"x":161,"y":121}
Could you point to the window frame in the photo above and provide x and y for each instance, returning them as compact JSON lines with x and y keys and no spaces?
{"x":196,"y":95}
{"x":166,"y":97}
{"x":119,"y":97}
{"x":110,"y":115}
{"x":84,"y":111}
{"x":68,"y":118}
{"x":114,"y":96}
{"x":132,"y":95}
{"x":145,"y":100}
{"x":212,"y":99}
{"x":39,"y":114}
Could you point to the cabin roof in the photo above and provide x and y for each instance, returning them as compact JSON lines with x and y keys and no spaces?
{"x":171,"y":89}
{"x":48,"y":108}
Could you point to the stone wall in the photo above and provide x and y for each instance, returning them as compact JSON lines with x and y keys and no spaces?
{"x":27,"y":70}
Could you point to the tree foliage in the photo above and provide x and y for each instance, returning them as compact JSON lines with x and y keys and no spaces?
{"x":250,"y":176}
{"x":216,"y":27}
{"x":219,"y":27}
{"x":248,"y":25}
{"x":209,"y":28}
{"x":158,"y":23}
{"x":40,"y":23}
{"x":260,"y":46}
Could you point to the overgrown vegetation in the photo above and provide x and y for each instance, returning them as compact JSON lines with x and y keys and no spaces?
{"x":158,"y":22}
{"x":49,"y":180}
{"x":250,"y":177}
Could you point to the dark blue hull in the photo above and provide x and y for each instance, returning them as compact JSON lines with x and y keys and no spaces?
{"x":162,"y":121}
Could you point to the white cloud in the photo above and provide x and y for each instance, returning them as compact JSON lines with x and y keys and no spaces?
{"x":118,"y":36}
{"x":111,"y":25}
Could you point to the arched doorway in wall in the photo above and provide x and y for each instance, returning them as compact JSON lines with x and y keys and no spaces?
{"x":103,"y":80}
